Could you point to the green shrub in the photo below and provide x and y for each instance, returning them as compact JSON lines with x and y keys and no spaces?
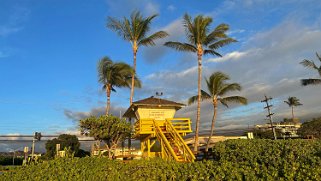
{"x":8,"y":160}
{"x":233,"y":160}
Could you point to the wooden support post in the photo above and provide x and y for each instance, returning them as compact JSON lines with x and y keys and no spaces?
{"x":148,"y":148}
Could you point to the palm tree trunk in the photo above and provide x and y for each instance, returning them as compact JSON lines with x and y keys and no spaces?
{"x":292,"y":113}
{"x":108,"y":90}
{"x":212,"y":126}
{"x":133,"y":77}
{"x":132,"y":93}
{"x":198,"y":114}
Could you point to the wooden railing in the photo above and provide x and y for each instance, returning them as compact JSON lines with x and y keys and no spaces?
{"x":167,"y":151}
{"x":170,"y":140}
{"x":186,"y":152}
{"x":146,"y":126}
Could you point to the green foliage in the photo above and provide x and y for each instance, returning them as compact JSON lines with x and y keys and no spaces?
{"x":293,"y":101}
{"x":266,"y":134}
{"x":135,"y":29}
{"x":233,"y":160}
{"x":312,"y":127}
{"x":109,"y":129}
{"x":105,"y":128}
{"x":310,"y":64}
{"x":67,"y":141}
{"x":8,"y":160}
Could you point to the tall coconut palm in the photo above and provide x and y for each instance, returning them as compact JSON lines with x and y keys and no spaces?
{"x":311,"y":64}
{"x":293,"y":102}
{"x":201,"y":41}
{"x":218,"y":88}
{"x":135,"y":31}
{"x":113,"y":75}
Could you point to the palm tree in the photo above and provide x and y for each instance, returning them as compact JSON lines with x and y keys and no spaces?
{"x":113,"y":75}
{"x":293,"y":102}
{"x":202,"y":42}
{"x":311,"y":64}
{"x":134,"y":30}
{"x":218,"y":88}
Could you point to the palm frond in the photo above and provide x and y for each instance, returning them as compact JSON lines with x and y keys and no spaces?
{"x":143,"y":26}
{"x":216,"y":81}
{"x":293,"y":101}
{"x":137,"y":82}
{"x":218,"y":33}
{"x":229,"y":88}
{"x":306,"y":82}
{"x":318,"y":56}
{"x":150,"y":40}
{"x":115,"y":74}
{"x":222,"y":43}
{"x":204,"y":96}
{"x":119,"y":27}
{"x":212,"y":52}
{"x":192,"y":99}
{"x":234,"y":99}
{"x":181,"y":46}
{"x":309,"y":64}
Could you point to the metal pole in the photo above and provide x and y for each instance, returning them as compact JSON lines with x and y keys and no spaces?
{"x":33,"y":148}
{"x":14,"y":152}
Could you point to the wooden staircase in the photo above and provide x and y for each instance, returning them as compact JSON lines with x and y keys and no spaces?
{"x":173,"y":145}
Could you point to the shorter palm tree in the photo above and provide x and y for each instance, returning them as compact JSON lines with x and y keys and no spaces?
{"x":311,"y":64}
{"x":218,"y":88}
{"x":113,"y":75}
{"x":293,"y":102}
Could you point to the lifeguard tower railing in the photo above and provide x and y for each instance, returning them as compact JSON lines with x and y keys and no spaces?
{"x":169,"y":133}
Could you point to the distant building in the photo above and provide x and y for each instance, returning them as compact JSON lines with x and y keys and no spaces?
{"x":287,"y":129}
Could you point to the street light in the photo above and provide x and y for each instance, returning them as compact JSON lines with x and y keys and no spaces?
{"x":14,"y":154}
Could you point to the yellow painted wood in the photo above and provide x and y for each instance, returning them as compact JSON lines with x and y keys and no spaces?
{"x":159,"y":123}
{"x":155,"y":113}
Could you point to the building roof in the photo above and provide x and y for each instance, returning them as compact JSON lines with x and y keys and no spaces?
{"x":151,"y":102}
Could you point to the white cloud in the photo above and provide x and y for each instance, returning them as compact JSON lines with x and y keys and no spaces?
{"x":151,"y":8}
{"x":125,"y":7}
{"x":175,"y":31}
{"x":15,"y":21}
{"x":171,"y":8}
{"x":229,"y":56}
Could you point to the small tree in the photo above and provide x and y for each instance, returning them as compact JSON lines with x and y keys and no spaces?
{"x":67,"y":141}
{"x":312,"y":128}
{"x":109,"y":129}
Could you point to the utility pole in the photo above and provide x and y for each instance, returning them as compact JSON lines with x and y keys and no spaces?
{"x":268,"y":106}
{"x":33,"y":148}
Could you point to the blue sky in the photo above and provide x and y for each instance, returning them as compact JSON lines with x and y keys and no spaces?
{"x":49,"y":51}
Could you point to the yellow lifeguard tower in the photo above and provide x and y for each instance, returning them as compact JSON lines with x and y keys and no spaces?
{"x":155,"y":125}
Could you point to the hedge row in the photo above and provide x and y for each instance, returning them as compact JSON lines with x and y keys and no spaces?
{"x":233,"y":160}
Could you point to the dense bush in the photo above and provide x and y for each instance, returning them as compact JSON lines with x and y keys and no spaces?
{"x":311,"y":128}
{"x":65,"y":141}
{"x":233,"y":160}
{"x":8,"y":160}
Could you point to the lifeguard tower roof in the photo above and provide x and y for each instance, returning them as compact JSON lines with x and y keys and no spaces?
{"x":151,"y":102}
